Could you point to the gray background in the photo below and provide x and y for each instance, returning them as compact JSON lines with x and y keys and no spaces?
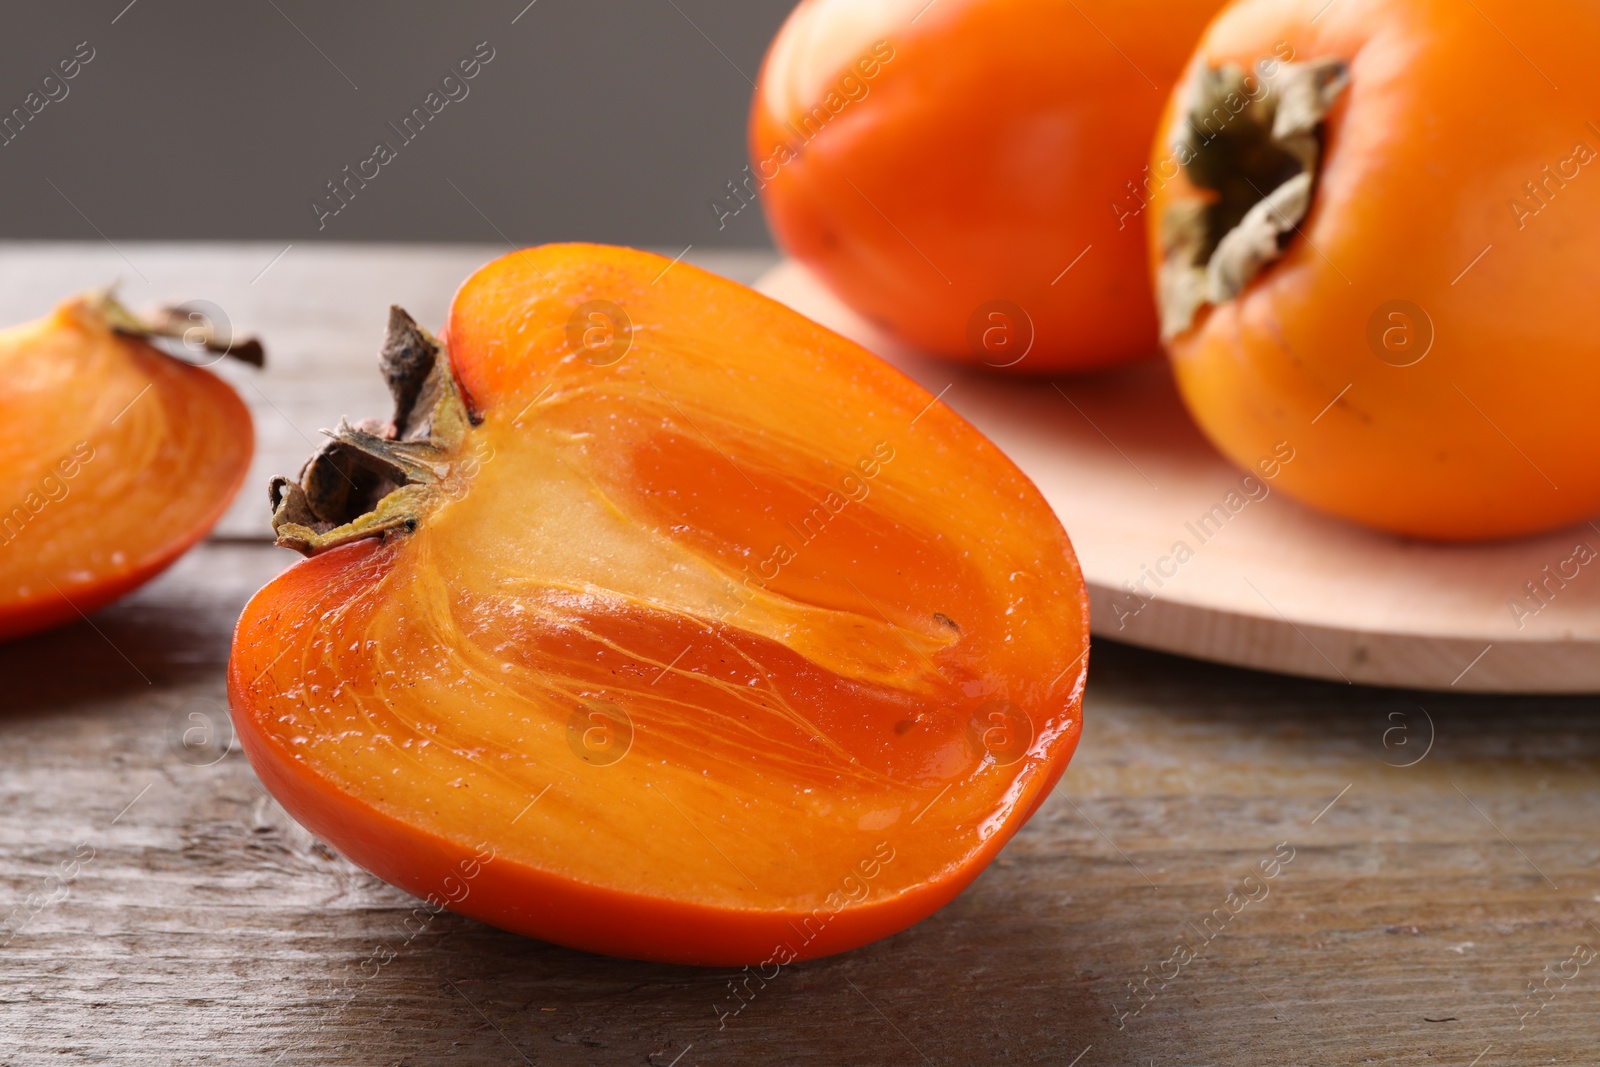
{"x":606,"y":120}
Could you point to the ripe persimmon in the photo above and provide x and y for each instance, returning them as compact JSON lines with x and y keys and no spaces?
{"x":661,"y":622}
{"x":1376,"y":232}
{"x":115,"y":457}
{"x":969,"y":174}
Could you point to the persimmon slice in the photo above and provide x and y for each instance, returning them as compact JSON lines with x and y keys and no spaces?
{"x":115,"y":458}
{"x":707,"y":638}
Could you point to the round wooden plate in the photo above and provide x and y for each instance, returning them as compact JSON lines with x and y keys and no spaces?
{"x":1183,"y":554}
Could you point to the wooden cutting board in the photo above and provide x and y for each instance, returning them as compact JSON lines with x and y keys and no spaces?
{"x":1182,"y":556}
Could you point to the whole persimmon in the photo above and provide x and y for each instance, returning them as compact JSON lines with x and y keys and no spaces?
{"x":1376,"y":235}
{"x":115,"y":456}
{"x":661,"y":622}
{"x":969,"y":174}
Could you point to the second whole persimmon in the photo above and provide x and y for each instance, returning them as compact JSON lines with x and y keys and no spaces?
{"x":969,"y":174}
{"x":662,"y":622}
{"x":1386,"y":251}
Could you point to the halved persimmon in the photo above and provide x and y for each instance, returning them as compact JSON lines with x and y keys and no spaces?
{"x":115,"y":457}
{"x":706,"y":636}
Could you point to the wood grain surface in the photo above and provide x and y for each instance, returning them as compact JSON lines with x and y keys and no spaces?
{"x":156,"y":907}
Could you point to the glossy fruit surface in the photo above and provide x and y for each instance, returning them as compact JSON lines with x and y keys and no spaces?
{"x":1428,"y":341}
{"x":714,"y":640}
{"x":114,"y":459}
{"x":969,"y":174}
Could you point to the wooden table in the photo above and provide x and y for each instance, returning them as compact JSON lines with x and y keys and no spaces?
{"x":162,"y":909}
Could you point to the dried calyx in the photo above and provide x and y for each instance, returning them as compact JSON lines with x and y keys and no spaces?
{"x":1257,"y":171}
{"x":191,"y":329}
{"x":372,"y":479}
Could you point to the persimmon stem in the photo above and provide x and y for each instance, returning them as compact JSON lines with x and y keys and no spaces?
{"x":372,"y":479}
{"x":176,"y":324}
{"x":1251,"y":146}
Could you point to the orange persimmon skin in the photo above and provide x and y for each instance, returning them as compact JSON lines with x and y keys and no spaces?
{"x":998,"y":143}
{"x":114,"y":460}
{"x":1491,"y":434}
{"x":801,"y":773}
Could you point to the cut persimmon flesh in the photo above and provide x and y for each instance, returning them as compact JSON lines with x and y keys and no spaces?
{"x":706,"y":637}
{"x":115,"y":458}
